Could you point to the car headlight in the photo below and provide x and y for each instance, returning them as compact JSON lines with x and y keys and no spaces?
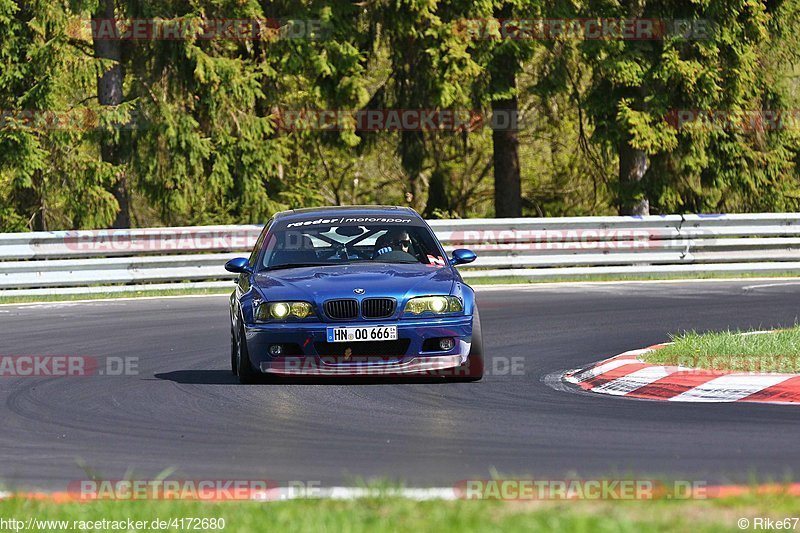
{"x":434,"y":304}
{"x":281,"y":310}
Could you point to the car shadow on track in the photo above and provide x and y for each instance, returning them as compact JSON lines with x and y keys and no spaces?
{"x":200,"y":377}
{"x":225,"y":377}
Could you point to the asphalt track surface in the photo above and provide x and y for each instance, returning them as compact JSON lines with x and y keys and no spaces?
{"x":183,"y":414}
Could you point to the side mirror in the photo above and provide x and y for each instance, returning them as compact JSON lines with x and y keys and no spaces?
{"x":463,"y":256}
{"x":239,"y":265}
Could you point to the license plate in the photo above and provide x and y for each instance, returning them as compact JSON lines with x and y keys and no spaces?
{"x":370,"y":333}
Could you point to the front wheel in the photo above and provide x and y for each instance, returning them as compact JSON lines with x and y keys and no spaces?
{"x":234,"y":354}
{"x":472,"y":369}
{"x":243,"y":368}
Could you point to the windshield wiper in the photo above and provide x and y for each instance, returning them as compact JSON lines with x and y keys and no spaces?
{"x":297,"y":265}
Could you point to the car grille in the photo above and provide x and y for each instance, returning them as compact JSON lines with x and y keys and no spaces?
{"x":376,"y":348}
{"x":378,"y":307}
{"x":341,"y":309}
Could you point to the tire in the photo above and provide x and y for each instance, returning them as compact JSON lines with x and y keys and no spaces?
{"x":244,"y":370}
{"x":472,"y":370}
{"x":234,"y":364}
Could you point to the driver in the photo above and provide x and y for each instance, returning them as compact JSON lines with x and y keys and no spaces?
{"x":393,"y":241}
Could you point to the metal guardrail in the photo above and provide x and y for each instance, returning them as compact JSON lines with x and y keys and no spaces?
{"x":542,"y":248}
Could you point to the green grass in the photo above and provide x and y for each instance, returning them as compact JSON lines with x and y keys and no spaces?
{"x":395,"y":514}
{"x":729,"y":350}
{"x":624,"y":277}
{"x":107,"y":295}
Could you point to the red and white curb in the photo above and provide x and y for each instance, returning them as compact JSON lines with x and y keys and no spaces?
{"x":627,"y":375}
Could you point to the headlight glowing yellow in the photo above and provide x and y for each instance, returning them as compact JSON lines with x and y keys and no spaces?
{"x":434,"y":304}
{"x":301,"y":309}
{"x":282,"y":310}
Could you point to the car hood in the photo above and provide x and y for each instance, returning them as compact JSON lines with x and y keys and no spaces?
{"x":318,"y":284}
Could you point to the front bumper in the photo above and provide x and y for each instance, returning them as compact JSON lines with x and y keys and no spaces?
{"x":306,"y":336}
{"x":309,"y":366}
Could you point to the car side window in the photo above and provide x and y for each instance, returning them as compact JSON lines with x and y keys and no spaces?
{"x":268,"y":249}
{"x":259,"y":242}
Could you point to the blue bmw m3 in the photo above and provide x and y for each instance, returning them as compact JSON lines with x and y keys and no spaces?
{"x":353,"y":291}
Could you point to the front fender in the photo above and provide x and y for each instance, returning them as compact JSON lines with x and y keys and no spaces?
{"x":467,"y":295}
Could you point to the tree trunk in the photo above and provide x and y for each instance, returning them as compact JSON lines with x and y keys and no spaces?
{"x":505,"y":137}
{"x":437,"y":191}
{"x":505,"y":158}
{"x":633,"y":163}
{"x":632,"y":168}
{"x":109,"y":93}
{"x":412,"y":157}
{"x":31,"y":202}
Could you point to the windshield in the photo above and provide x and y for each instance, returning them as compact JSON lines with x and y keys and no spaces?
{"x":335,"y":245}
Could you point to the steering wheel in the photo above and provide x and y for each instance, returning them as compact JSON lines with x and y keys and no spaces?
{"x":351,"y":251}
{"x":345,"y":251}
